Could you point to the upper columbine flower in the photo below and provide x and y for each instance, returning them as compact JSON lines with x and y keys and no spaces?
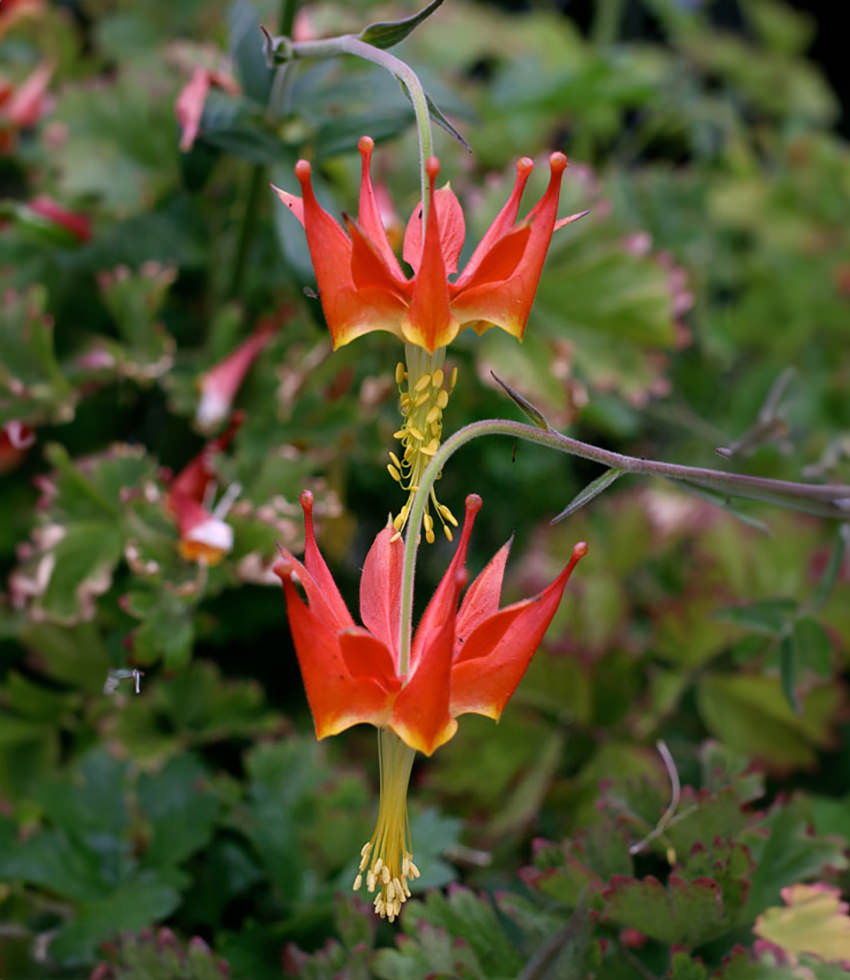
{"x":363,"y":288}
{"x":467,"y":659}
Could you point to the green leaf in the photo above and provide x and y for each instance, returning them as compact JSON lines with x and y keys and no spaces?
{"x":785,"y":851}
{"x":385,"y":34}
{"x":167,"y":631}
{"x":534,"y":414}
{"x":85,"y":559}
{"x":769,"y":616}
{"x":787,"y":672}
{"x":751,"y":715}
{"x":593,"y":489}
{"x":282,"y":777}
{"x":812,"y":647}
{"x":138,"y":902}
{"x":181,"y":809}
{"x":830,"y":574}
{"x":725,"y":502}
{"x":687,"y":913}
{"x":438,"y":117}
{"x":248,"y":49}
{"x":336,"y":136}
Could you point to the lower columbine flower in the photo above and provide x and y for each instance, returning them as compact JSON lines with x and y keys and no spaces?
{"x":466,"y":659}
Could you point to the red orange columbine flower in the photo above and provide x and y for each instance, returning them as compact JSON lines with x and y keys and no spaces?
{"x":363,"y":288}
{"x":362,"y":285}
{"x":466,"y":659}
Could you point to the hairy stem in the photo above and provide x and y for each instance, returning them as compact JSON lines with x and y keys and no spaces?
{"x":349,"y":44}
{"x":823,"y":500}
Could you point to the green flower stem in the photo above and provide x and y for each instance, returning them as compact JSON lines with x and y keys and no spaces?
{"x":350,"y":44}
{"x":286,"y":17}
{"x":256,"y":183}
{"x":823,"y":500}
{"x":605,"y":29}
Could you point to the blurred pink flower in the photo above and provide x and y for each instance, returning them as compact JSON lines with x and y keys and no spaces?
{"x":79,"y":225}
{"x":189,"y":106}
{"x":23,"y":105}
{"x":220,"y":384}
{"x":11,"y":11}
{"x":15,"y":439}
{"x":204,"y":535}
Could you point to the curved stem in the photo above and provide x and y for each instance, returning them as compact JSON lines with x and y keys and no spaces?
{"x":349,"y":44}
{"x":821,"y":499}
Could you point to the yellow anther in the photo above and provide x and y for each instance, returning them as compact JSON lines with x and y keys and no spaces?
{"x":358,"y":881}
{"x":433,"y":415}
{"x":391,"y":891}
{"x":423,"y":383}
{"x":385,"y":874}
{"x":395,"y":460}
{"x":370,"y":881}
{"x":448,"y":532}
{"x":394,"y":473}
{"x":449,"y":516}
{"x":454,"y":378}
{"x":400,"y":373}
{"x":422,"y":399}
{"x":400,"y":434}
{"x":412,"y":431}
{"x":437,"y":378}
{"x":442,"y":399}
{"x":414,"y":871}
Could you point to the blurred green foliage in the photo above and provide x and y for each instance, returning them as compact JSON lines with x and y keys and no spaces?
{"x":702,"y":304}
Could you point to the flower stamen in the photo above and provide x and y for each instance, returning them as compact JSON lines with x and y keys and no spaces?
{"x":423,"y":396}
{"x":386,"y":858}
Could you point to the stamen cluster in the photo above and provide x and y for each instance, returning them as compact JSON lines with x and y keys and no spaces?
{"x":422,"y":398}
{"x":394,"y":888}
